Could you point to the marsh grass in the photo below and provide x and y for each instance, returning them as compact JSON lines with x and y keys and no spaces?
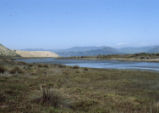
{"x":16,"y":70}
{"x":79,"y":90}
{"x":43,"y":65}
{"x":49,"y":97}
{"x":3,"y":69}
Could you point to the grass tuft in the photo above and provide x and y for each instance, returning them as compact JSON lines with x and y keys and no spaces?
{"x":49,"y":97}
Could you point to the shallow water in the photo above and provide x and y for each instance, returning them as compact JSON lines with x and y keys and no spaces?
{"x":108,"y":64}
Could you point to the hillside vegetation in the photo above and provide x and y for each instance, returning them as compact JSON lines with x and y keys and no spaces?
{"x":6,"y":52}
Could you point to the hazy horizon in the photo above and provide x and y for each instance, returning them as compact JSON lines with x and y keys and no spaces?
{"x":62,"y":24}
{"x":88,"y":46}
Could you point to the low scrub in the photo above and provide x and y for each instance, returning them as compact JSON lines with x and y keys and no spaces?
{"x":61,"y":66}
{"x":3,"y":69}
{"x":22,"y":63}
{"x":85,"y":69}
{"x":43,"y":65}
{"x":16,"y":70}
{"x":76,"y":67}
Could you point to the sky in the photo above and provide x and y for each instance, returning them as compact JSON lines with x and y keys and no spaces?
{"x":59,"y":24}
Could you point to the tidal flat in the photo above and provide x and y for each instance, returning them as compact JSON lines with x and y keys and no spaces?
{"x":55,"y":88}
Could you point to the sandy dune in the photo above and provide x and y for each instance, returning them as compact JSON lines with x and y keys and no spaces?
{"x":36,"y":54}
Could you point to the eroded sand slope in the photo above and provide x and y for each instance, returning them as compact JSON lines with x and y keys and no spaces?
{"x":36,"y":54}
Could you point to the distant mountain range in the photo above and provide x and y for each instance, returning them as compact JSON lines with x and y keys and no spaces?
{"x":87,"y":51}
{"x":94,"y":51}
{"x":147,"y":49}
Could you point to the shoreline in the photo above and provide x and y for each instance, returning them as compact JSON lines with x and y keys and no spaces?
{"x":55,"y":61}
{"x":116,"y":59}
{"x":141,"y":57}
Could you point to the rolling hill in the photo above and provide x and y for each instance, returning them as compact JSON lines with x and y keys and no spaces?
{"x":4,"y":51}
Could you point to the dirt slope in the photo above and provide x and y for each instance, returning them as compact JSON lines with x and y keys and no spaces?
{"x":36,"y":53}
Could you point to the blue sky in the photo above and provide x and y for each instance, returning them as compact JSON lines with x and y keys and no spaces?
{"x":56,"y":24}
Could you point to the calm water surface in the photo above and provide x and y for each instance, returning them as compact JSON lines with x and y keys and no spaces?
{"x":108,"y":64}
